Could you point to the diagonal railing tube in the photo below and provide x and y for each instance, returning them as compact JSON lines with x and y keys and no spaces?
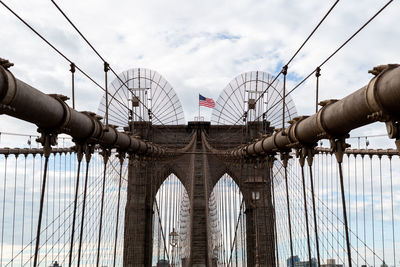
{"x":378,"y":101}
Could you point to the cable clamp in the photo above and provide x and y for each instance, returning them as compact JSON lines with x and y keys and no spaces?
{"x":67,"y":113}
{"x":106,"y":153}
{"x":378,"y":113}
{"x":321,"y":125}
{"x":338,"y":146}
{"x":393,"y":130}
{"x":292,"y":133}
{"x":8,"y":94}
{"x":47,"y":139}
{"x":285,"y":156}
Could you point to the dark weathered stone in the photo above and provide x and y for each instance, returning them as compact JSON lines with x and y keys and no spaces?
{"x":199,"y":171}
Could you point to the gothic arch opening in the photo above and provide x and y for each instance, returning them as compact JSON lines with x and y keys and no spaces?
{"x":171,"y":223}
{"x":227,"y":224}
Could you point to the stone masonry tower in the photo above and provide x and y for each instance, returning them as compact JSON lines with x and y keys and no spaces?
{"x":198,"y":170}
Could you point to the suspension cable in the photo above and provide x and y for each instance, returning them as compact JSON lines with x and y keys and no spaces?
{"x":298,"y":50}
{"x":331,"y":55}
{"x":380,"y":179}
{"x":88,"y":154}
{"x":317,"y":75}
{"x":58,"y":51}
{"x":339,"y":146}
{"x":310,"y":161}
{"x":391,"y":198}
{"x":79,"y":157}
{"x":301,"y":161}
{"x":4,"y":206}
{"x":72,"y":70}
{"x":285,"y":158}
{"x":121,"y":161}
{"x":106,"y":154}
{"x":46,"y":161}
{"x":104,"y":61}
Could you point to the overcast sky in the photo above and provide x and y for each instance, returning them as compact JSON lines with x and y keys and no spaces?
{"x":198,"y":46}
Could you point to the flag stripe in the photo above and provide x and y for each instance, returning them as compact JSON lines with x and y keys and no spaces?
{"x":206,"y":102}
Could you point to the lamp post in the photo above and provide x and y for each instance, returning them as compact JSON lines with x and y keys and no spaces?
{"x":173,"y":241}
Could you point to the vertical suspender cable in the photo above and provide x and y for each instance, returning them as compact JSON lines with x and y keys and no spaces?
{"x":72,"y":70}
{"x":33,"y":195}
{"x":271,"y":166}
{"x":46,"y":161}
{"x":160,"y":212}
{"x":106,"y":154}
{"x":106,"y":69}
{"x":121,"y":162}
{"x":317,"y":74}
{"x":88,"y":154}
{"x":53,"y":206}
{"x":301,"y":161}
{"x":339,"y":149}
{"x":65,"y":200}
{"x":226,"y":220}
{"x":23,"y":213}
{"x":391,"y":198}
{"x":365,"y":232}
{"x":170,"y":209}
{"x":285,"y":162}
{"x":356,"y":189}
{"x":237,"y":219}
{"x":380,"y":179}
{"x":284,"y":72}
{"x":230,"y":220}
{"x":309,"y":161}
{"x":79,"y":156}
{"x":15,"y":199}
{"x":334,"y":172}
{"x":372,"y":210}
{"x":164,"y":214}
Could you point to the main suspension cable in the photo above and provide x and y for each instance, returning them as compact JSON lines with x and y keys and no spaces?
{"x":57,"y":50}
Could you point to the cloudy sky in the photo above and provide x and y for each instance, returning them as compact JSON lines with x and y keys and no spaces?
{"x":198,"y":46}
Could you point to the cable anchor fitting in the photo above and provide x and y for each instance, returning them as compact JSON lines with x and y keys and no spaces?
{"x":284,"y":70}
{"x":393,"y":130}
{"x":318,"y":72}
{"x":89,"y":150}
{"x":285,"y":158}
{"x":5,"y":63}
{"x":73,"y":67}
{"x":106,"y":153}
{"x":338,"y":146}
{"x":47,"y":139}
{"x":106,"y":67}
{"x":121,"y":156}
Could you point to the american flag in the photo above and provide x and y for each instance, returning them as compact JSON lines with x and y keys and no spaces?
{"x":206,"y":102}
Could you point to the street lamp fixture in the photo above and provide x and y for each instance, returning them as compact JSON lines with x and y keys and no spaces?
{"x":255,"y":195}
{"x":173,"y":241}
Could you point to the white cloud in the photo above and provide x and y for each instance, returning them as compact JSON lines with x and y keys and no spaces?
{"x":199,"y":46}
{"x":188,"y":43}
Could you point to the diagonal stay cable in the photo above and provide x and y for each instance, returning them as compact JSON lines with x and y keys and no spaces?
{"x":99,"y":55}
{"x":334,"y":53}
{"x":58,"y":51}
{"x":298,"y":50}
